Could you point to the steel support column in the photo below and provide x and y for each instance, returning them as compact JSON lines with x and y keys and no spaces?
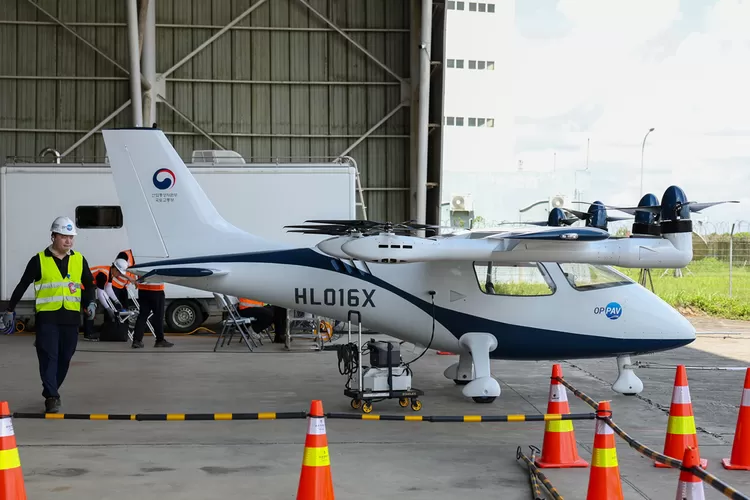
{"x":86,"y":42}
{"x":424,"y":108}
{"x":135,"y":64}
{"x":148,"y":59}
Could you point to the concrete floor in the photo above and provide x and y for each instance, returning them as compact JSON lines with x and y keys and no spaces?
{"x":370,"y":459}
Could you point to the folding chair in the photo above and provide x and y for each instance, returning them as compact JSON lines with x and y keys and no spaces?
{"x":235,"y":322}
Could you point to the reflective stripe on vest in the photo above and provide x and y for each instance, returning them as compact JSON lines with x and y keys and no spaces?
{"x":54,"y":292}
{"x":119,"y":282}
{"x":245,"y":303}
{"x":155,"y":287}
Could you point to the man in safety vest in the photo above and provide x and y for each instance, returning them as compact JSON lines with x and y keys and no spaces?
{"x":58,"y":274}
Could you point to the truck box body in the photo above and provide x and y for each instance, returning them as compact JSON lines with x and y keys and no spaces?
{"x":259,"y":198}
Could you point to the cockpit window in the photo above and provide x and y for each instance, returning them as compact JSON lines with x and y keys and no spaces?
{"x":527,"y":279}
{"x":593,"y":276}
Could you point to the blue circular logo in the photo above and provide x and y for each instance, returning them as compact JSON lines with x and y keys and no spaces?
{"x":613,"y":310}
{"x":163,"y":179}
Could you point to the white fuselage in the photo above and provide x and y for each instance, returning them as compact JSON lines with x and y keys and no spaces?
{"x":395,"y":299}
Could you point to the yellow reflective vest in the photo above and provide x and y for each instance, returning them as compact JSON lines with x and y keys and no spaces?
{"x":53,"y":291}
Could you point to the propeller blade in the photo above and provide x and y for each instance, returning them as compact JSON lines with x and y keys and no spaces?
{"x":654,"y":209}
{"x":697,"y":207}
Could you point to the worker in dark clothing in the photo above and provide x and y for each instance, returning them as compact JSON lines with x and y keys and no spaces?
{"x":151,"y":299}
{"x":62,"y":284}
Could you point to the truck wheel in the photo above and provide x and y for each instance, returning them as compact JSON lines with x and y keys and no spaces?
{"x":184,"y":316}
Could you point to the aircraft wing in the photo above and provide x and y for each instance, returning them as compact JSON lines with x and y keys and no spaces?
{"x":544,"y":244}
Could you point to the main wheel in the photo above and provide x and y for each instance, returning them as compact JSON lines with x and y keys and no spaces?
{"x":367,"y":407}
{"x":403,"y":402}
{"x":416,"y":405}
{"x":356,"y":403}
{"x":483,"y":399}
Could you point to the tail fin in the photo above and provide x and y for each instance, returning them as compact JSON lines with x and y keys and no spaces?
{"x":166,"y":212}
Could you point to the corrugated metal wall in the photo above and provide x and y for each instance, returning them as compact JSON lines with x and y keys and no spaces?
{"x":281,"y":83}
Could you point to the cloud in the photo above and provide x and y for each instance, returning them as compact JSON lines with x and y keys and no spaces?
{"x":619,"y":68}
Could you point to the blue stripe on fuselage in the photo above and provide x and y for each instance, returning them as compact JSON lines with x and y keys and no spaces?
{"x":514,"y":341}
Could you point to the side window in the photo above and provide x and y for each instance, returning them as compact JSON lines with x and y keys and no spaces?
{"x":98,"y":217}
{"x":593,"y":276}
{"x":527,"y":279}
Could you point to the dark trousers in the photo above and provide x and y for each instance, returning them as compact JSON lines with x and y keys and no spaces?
{"x":150,"y":301}
{"x":55,"y":346}
{"x":264,"y":317}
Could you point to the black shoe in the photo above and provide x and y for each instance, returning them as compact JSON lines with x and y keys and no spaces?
{"x":163,"y":343}
{"x":91,"y":339}
{"x":137,"y":344}
{"x":52,"y":405}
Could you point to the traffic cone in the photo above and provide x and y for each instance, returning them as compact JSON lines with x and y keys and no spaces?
{"x":604,"y":478}
{"x":315,"y":481}
{"x":690,"y":486}
{"x":740,"y":459}
{"x":681,"y":431}
{"x":11,"y":475}
{"x":559,"y":447}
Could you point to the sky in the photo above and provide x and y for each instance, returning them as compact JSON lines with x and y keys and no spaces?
{"x":606,"y":71}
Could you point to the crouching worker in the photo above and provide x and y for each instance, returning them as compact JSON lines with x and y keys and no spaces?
{"x":265,"y":316}
{"x":57,"y":273}
{"x":113,"y":330}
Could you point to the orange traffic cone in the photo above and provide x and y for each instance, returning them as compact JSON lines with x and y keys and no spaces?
{"x":681,"y":431}
{"x":740,"y":459}
{"x":604,"y":478}
{"x":690,"y":486}
{"x":11,"y":475}
{"x":559,"y":447}
{"x":315,"y":481}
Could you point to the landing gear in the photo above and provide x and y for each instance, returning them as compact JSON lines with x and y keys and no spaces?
{"x":462,"y":372}
{"x":484,"y":388}
{"x":627,"y":382}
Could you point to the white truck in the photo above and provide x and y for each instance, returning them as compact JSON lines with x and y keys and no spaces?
{"x":260,"y":198}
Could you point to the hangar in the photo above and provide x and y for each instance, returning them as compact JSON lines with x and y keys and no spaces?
{"x":274,"y":80}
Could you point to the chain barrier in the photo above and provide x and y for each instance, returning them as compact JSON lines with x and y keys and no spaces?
{"x":171,"y":417}
{"x":536,"y":473}
{"x":710,"y":479}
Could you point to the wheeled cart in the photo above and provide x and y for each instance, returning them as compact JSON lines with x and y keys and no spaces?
{"x":387,"y":377}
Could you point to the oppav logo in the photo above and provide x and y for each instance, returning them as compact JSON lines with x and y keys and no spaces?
{"x":613,"y":310}
{"x":164,"y":179}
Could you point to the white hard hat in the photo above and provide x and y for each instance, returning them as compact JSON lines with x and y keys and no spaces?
{"x":63,"y":225}
{"x":121,"y":265}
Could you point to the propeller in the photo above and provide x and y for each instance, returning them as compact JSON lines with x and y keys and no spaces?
{"x":338,"y":227}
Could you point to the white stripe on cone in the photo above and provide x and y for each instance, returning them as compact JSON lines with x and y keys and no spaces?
{"x":6,"y":428}
{"x":316,"y":426}
{"x":745,"y":397}
{"x":690,"y":491}
{"x":557,"y":393}
{"x":681,"y":394}
{"x":603,"y":428}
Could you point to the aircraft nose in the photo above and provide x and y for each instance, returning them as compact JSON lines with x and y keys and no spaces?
{"x":680,"y":328}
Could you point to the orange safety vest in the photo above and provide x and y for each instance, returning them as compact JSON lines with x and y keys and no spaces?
{"x":120,"y":282}
{"x":245,"y":303}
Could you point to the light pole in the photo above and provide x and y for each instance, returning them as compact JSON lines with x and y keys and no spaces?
{"x":643,"y":148}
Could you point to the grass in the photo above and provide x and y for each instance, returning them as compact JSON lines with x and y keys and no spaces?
{"x":704,"y":288}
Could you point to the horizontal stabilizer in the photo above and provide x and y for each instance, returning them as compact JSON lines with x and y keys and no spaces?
{"x":556,"y":234}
